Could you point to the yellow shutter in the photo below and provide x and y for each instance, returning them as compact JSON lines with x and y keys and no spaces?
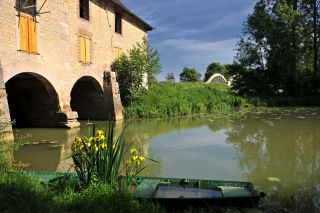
{"x":32,"y":35}
{"x":24,"y":37}
{"x":88,"y":43}
{"x":82,"y":49}
{"x":117,"y":52}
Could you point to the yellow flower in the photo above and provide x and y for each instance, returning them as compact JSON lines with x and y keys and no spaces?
{"x":89,"y":144}
{"x":133,"y":151}
{"x":103,"y":145}
{"x":99,"y":132}
{"x":135,"y":157}
{"x":101,"y":137}
{"x":91,"y":139}
{"x":96,"y":147}
{"x":141,"y":158}
{"x":81,"y":147}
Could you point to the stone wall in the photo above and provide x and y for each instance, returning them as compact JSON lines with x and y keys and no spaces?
{"x":58,"y":45}
{"x":5,"y":129}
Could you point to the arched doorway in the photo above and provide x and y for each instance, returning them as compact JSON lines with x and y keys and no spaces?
{"x":90,"y":101}
{"x":33,"y":102}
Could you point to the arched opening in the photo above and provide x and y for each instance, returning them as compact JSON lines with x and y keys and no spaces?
{"x":33,"y":102}
{"x":217,"y":78}
{"x":90,"y":101}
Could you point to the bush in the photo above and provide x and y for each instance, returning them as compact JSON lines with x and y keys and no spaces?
{"x":131,"y":69}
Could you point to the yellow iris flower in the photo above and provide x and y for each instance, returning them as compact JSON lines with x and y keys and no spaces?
{"x":133,"y":151}
{"x":99,"y":132}
{"x":103,"y":145}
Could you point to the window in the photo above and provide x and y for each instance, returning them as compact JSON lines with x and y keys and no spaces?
{"x":117,"y":52}
{"x":27,"y":6}
{"x":84,"y":9}
{"x":118,"y":24}
{"x":85,"y":42}
{"x":28,"y":34}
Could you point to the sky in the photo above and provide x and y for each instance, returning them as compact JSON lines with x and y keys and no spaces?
{"x":193,"y":33}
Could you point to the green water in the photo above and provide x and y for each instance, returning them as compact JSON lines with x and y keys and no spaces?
{"x":276,"y":149}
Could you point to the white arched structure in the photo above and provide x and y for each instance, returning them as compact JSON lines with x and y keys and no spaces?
{"x":217,"y":78}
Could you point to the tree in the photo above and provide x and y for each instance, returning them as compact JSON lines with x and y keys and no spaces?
{"x":131,"y":69}
{"x":153,"y":60}
{"x":213,"y":68}
{"x":170,"y":77}
{"x":189,"y":74}
{"x":280,"y":48}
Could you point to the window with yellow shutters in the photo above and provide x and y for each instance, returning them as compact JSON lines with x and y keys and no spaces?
{"x":117,"y":52}
{"x":28,"y":34}
{"x":85,"y":43}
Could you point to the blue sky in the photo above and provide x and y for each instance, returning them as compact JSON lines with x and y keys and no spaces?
{"x":193,"y":33}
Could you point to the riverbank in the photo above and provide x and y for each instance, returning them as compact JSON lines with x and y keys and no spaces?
{"x":22,"y":194}
{"x":168,"y":99}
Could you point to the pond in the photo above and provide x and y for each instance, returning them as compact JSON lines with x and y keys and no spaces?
{"x":277,"y":149}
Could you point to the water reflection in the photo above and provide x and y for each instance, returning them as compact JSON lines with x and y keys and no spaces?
{"x":283,"y":144}
{"x":277,"y":149}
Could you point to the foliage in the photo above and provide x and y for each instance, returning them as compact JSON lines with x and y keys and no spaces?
{"x":189,"y":75}
{"x":170,"y":77}
{"x":168,"y":99}
{"x":153,"y":60}
{"x":216,"y":67}
{"x":131,"y":68}
{"x":6,"y":147}
{"x":99,"y":157}
{"x":21,"y":194}
{"x":278,"y":52}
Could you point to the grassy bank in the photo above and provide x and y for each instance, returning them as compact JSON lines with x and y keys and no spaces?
{"x":167,"y":99}
{"x":22,"y":194}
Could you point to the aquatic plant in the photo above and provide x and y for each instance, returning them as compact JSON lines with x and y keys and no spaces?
{"x":100,"y":156}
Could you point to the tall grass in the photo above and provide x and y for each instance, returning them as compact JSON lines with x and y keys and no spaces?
{"x":167,"y":99}
{"x":19,"y":193}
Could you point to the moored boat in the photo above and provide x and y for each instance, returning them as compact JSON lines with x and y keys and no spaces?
{"x":180,"y":192}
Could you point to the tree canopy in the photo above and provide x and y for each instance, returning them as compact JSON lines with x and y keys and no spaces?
{"x":278,"y":52}
{"x":215,"y":67}
{"x":189,"y":75}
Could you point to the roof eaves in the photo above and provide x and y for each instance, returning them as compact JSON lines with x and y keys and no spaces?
{"x":121,"y":5}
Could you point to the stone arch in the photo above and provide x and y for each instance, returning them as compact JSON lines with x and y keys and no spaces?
{"x":217,"y":78}
{"x":90,"y":100}
{"x":33,"y":101}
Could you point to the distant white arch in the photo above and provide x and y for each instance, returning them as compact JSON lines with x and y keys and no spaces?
{"x":217,"y":78}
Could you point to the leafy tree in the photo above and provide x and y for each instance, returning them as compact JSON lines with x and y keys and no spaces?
{"x":153,"y":60}
{"x":131,"y":69}
{"x":280,"y":48}
{"x":189,"y":75}
{"x":213,"y":68}
{"x":170,"y":77}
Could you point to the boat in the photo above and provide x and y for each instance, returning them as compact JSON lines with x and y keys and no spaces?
{"x":180,"y":193}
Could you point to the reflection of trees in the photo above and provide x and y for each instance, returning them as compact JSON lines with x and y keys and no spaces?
{"x":141,"y":133}
{"x":281,"y":145}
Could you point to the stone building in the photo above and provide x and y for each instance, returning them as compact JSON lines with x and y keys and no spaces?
{"x":56,"y":55}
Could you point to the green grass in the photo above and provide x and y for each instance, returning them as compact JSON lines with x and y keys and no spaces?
{"x":167,"y":99}
{"x":22,"y":194}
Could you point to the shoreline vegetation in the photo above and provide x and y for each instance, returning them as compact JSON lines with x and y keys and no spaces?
{"x":169,"y":100}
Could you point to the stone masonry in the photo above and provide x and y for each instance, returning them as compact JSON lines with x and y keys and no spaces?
{"x":39,"y":86}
